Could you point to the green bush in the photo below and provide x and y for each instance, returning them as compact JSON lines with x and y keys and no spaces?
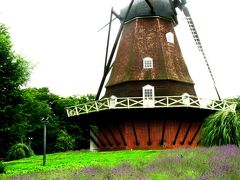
{"x":2,"y":167}
{"x":19,"y":151}
{"x":221,"y":128}
{"x":64,"y":142}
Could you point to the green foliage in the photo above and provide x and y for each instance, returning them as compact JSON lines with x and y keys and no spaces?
{"x":221,"y":128}
{"x":64,"y":142}
{"x":2,"y":167}
{"x":14,"y":73}
{"x":19,"y":151}
{"x":22,"y":109}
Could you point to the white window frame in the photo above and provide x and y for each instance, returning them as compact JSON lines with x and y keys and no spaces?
{"x":170,"y":37}
{"x":147,"y":63}
{"x":148,"y":94}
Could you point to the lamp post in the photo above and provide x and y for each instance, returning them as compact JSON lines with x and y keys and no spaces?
{"x":30,"y":141}
{"x":44,"y":121}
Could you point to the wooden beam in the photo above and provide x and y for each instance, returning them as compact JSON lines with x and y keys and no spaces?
{"x":195,"y":134}
{"x":163,"y":131}
{"x":186,"y":134}
{"x":149,"y":134}
{"x":115,"y":140}
{"x":99,"y":140}
{"x":176,"y":136}
{"x":121,"y":134}
{"x":135,"y":134}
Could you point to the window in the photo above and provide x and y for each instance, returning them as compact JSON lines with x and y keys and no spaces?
{"x":147,"y":63}
{"x":170,"y":37}
{"x":148,"y":96}
{"x":148,"y":92}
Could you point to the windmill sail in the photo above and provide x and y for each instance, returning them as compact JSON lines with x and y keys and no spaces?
{"x":197,"y":41}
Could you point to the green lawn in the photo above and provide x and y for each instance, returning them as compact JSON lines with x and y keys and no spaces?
{"x":216,"y":162}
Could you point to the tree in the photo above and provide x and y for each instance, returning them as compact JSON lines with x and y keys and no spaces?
{"x":40,"y":102}
{"x":14,"y":73}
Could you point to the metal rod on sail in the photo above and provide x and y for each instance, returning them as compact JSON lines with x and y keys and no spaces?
{"x":106,"y":24}
{"x":108,"y":39}
{"x":112,"y":53}
{"x":199,"y":45}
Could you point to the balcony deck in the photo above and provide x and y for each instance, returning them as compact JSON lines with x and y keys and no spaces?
{"x":157,"y":102}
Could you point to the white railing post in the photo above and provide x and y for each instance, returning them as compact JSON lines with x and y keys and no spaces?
{"x":86,"y":108}
{"x":76,"y":110}
{"x":96,"y":106}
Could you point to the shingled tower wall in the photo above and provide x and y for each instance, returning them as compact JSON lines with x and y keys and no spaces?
{"x":146,"y":37}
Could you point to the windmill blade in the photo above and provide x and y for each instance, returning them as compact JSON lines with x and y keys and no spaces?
{"x":151,"y":6}
{"x":197,"y":41}
{"x":107,"y":24}
{"x":108,"y":39}
{"x":109,"y":62}
{"x":116,"y":17}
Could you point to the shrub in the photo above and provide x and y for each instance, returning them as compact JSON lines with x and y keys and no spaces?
{"x":64,"y":142}
{"x":221,"y":128}
{"x":2,"y":167}
{"x":19,"y":151}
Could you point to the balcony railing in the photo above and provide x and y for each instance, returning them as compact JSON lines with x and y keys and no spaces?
{"x":156,"y":102}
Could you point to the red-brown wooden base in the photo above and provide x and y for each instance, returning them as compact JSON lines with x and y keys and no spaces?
{"x":147,"y":128}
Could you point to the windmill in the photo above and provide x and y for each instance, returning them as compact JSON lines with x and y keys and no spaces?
{"x":150,"y":101}
{"x":176,"y":4}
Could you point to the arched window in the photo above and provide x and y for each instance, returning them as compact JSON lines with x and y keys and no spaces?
{"x":170,"y":37}
{"x":147,"y":63}
{"x":148,"y":96}
{"x":148,"y":92}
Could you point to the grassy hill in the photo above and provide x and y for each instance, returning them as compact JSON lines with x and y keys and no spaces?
{"x":206,"y":163}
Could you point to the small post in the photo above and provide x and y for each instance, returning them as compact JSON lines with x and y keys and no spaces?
{"x":44,"y":121}
{"x":30,"y":142}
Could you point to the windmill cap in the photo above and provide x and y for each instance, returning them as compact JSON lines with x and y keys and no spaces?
{"x":141,"y":8}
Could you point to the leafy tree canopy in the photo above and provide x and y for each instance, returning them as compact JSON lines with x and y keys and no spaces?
{"x":14,"y":73}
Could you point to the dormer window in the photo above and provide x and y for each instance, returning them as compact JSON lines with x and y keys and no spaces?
{"x":147,"y":63}
{"x":170,"y":37}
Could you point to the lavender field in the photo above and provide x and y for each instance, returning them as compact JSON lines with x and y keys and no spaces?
{"x":221,"y":162}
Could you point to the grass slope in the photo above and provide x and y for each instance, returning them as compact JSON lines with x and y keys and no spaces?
{"x":204,"y":163}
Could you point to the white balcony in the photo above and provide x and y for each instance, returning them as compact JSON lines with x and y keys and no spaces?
{"x":158,"y":102}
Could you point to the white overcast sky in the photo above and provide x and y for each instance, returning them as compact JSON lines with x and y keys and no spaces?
{"x":60,"y":38}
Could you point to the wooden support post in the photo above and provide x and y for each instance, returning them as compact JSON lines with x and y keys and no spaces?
{"x":195,"y":134}
{"x":163,"y":131}
{"x":104,"y":145}
{"x":105,"y":136}
{"x":186,"y":134}
{"x":115,"y":140}
{"x":121,"y":134}
{"x":149,"y":134}
{"x":176,"y":136}
{"x":135,"y":134}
